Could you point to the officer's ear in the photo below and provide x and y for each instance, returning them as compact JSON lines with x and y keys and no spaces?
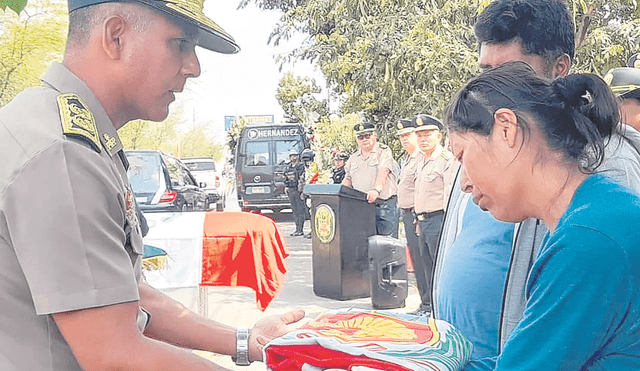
{"x":113,"y":28}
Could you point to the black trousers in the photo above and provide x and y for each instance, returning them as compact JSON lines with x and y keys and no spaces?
{"x":298,"y":207}
{"x":428,"y":245}
{"x":416,"y":257}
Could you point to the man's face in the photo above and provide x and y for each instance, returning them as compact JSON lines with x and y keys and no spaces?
{"x":157,"y":62}
{"x":294,"y":158}
{"x":366,"y":141}
{"x":409,"y":141}
{"x":338,"y":163}
{"x":428,"y":140}
{"x":492,"y":55}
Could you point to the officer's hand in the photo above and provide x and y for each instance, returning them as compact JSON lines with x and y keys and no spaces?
{"x":286,"y":191}
{"x":269,"y":328}
{"x":417,"y":226}
{"x":372,"y":196}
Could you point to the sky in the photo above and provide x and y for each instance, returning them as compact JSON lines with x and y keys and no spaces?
{"x":244,"y":83}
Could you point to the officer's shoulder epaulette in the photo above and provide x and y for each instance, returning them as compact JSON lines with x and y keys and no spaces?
{"x":446,"y":155}
{"x":383,"y":146}
{"x":77,"y":120}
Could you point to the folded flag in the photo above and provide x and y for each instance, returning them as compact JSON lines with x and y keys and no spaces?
{"x":352,"y":339}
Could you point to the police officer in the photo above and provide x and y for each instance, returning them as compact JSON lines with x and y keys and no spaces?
{"x":294,"y":174}
{"x":70,"y":234}
{"x":406,"y":200}
{"x":338,"y":172}
{"x":373,"y":170}
{"x":436,"y":170}
{"x":625,"y":82}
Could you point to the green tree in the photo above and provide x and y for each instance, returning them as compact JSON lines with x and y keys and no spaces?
{"x":296,"y":96}
{"x":392,"y":59}
{"x":28,"y":43}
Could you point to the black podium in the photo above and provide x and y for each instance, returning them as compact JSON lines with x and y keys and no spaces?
{"x":342,"y":221}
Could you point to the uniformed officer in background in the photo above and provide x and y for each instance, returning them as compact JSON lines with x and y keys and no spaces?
{"x":70,"y":236}
{"x":294,"y":181}
{"x":338,"y":172}
{"x":406,"y":201}
{"x":373,"y":170}
{"x":625,"y":83}
{"x":434,"y":178}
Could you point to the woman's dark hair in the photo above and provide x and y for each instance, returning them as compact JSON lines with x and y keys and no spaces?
{"x":576,"y":113}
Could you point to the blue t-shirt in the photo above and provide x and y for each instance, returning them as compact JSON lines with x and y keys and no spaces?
{"x":583,"y":291}
{"x":472,"y":278}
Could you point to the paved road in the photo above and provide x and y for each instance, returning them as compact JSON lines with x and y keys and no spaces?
{"x":236,"y":305}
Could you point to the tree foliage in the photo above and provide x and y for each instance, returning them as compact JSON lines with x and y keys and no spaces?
{"x":392,"y":59}
{"x":297,"y":97}
{"x":28,"y":42}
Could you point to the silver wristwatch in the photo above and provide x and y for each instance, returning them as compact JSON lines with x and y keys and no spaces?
{"x":242,"y":347}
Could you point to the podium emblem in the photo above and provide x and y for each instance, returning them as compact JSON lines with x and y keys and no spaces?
{"x":325,"y":223}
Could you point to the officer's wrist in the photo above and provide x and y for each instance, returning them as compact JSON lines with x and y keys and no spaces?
{"x":376,"y":191}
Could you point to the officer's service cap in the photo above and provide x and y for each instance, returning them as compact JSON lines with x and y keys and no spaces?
{"x":625,"y":81}
{"x":427,"y":122}
{"x":210,"y":35}
{"x":405,"y":126}
{"x":341,"y":156}
{"x":293,"y":152}
{"x":364,"y":127}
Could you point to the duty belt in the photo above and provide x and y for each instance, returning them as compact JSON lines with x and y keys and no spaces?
{"x":406,"y":210}
{"x":423,"y":216}
{"x":380,"y":201}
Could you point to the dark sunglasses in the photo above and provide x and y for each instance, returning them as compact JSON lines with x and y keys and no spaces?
{"x":364,"y":136}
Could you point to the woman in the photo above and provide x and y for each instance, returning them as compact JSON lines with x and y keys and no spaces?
{"x":530,"y":148}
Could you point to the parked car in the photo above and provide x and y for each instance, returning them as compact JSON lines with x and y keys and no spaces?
{"x":161,"y":182}
{"x":204,"y":169}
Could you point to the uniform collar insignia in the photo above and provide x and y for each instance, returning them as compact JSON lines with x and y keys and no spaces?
{"x":109,"y":142}
{"x":77,"y":120}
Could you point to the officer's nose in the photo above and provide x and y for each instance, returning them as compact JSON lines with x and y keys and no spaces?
{"x":191,"y":64}
{"x":465,"y":183}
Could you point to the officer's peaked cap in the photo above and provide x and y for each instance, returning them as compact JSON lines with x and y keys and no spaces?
{"x":364,"y":127}
{"x":427,"y":122}
{"x":210,"y":35}
{"x":624,"y":82}
{"x":405,"y":126}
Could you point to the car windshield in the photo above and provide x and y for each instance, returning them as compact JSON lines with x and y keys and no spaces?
{"x":200,"y":166}
{"x":144,"y":172}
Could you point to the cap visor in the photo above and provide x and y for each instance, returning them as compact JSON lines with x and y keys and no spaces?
{"x":210,"y":35}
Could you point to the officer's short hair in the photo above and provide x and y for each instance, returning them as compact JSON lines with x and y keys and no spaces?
{"x":542,"y":27}
{"x":83,"y":20}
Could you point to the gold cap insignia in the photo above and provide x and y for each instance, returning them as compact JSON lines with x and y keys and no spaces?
{"x":400,"y":126}
{"x":77,"y":120}
{"x":419,"y":121}
{"x":361,"y":127}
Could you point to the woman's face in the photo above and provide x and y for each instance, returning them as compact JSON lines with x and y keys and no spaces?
{"x":491,"y":173}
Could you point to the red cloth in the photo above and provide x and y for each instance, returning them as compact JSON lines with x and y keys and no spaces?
{"x":243,"y":249}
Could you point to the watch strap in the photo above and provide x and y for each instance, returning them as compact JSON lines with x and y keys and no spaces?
{"x":242,"y":347}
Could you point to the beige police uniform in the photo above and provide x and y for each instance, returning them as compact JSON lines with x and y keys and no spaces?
{"x":362,"y":171}
{"x":407,"y":181}
{"x":69,"y":235}
{"x":434,"y":179}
